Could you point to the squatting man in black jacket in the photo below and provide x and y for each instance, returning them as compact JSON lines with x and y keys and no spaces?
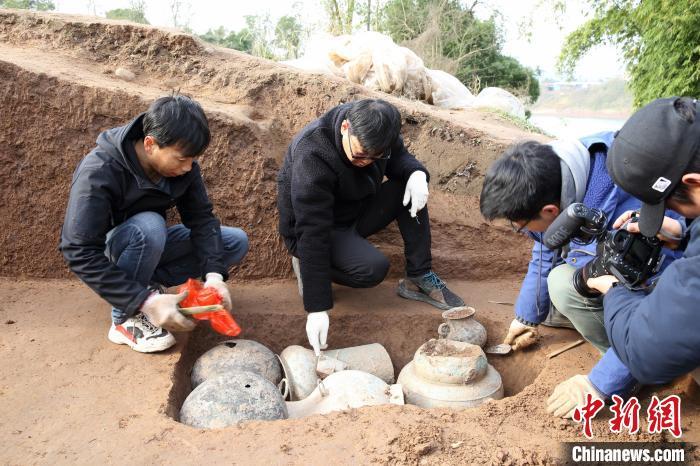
{"x":115,"y":238}
{"x":332,"y":196}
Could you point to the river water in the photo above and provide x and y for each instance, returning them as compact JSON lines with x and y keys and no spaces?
{"x":574,"y":127}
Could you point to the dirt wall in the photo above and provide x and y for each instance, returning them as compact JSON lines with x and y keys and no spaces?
{"x":58,"y":91}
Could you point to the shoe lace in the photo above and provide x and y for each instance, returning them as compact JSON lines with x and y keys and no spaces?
{"x":432,"y":278}
{"x":147,"y":323}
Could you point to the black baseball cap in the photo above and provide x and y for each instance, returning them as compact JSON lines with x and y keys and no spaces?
{"x":650,"y":154}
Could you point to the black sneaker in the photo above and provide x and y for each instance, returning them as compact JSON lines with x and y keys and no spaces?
{"x":430,"y":289}
{"x":155,"y":287}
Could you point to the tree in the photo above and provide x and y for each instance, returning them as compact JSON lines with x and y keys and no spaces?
{"x":37,"y":5}
{"x":341,"y":14}
{"x":659,"y":40}
{"x":260,"y":29}
{"x":241,"y":40}
{"x":447,"y":35}
{"x":288,"y":36}
{"x":135,"y":13}
{"x":92,"y":7}
{"x":180,"y":9}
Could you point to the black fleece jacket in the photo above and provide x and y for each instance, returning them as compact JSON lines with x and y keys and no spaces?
{"x":109,"y":186}
{"x":318,"y":189}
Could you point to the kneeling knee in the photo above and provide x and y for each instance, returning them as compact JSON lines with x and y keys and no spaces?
{"x":235,"y":244}
{"x":151,"y":228}
{"x":560,"y":286}
{"x":374,"y":272}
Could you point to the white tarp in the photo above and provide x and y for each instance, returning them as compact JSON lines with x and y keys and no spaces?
{"x":375,"y":61}
{"x":495,"y":97}
{"x":448,"y":91}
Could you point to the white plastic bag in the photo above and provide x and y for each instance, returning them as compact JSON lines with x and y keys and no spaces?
{"x":448,"y":91}
{"x":495,"y":97}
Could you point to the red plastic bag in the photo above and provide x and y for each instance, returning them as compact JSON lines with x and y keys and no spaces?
{"x":221,"y":321}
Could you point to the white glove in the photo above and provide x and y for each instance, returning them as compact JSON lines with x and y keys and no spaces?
{"x":161,"y":310}
{"x":569,"y":395}
{"x":216,"y":281}
{"x":317,"y":330}
{"x":416,"y":192}
{"x":520,"y":335}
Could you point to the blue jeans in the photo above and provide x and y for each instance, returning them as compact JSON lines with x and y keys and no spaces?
{"x":149,"y":251}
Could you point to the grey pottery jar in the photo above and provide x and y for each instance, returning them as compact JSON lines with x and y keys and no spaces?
{"x":460,"y":325}
{"x":228,"y":399}
{"x":235,"y":356}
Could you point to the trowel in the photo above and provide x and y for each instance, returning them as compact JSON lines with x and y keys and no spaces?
{"x":501,"y":349}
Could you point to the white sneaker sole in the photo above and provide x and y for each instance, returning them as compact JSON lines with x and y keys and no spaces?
{"x":160,"y":344}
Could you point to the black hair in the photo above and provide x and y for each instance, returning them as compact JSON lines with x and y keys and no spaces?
{"x":524,"y":179}
{"x":686,"y":109}
{"x":375,"y":123}
{"x":177,"y":120}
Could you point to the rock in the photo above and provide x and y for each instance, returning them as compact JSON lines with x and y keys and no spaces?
{"x":226,"y":400}
{"x":125,"y":74}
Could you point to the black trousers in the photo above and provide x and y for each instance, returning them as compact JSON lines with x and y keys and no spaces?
{"x":355,"y":262}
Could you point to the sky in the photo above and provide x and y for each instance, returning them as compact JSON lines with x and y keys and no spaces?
{"x":538,"y":48}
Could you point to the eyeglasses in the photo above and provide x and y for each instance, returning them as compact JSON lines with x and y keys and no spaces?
{"x":518,"y":229}
{"x":386,"y":155}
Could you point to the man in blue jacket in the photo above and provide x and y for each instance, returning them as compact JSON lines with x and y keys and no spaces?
{"x":529,"y":186}
{"x":656,"y":336}
{"x":115,"y":238}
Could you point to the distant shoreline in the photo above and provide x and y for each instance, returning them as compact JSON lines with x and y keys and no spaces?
{"x":581,"y":113}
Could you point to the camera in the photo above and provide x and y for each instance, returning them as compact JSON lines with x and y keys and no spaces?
{"x":631,"y":257}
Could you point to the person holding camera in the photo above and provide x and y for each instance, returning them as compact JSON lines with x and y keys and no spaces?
{"x":530,"y":185}
{"x":332,"y":195}
{"x":656,"y":335}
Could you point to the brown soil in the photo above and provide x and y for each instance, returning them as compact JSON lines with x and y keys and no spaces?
{"x":67,"y":395}
{"x":459,"y":313}
{"x":58,"y":91}
{"x":448,"y":348}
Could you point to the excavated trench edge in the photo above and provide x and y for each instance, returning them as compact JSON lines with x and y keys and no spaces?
{"x":389,"y":329}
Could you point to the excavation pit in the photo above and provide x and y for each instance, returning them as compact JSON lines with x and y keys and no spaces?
{"x":399,"y":327}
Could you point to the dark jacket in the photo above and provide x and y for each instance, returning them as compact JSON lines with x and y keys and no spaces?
{"x":318,"y":188}
{"x":109,"y":186}
{"x":657,"y":336}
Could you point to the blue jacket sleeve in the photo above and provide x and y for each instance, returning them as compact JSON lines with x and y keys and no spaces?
{"x":657,"y":336}
{"x":611,"y":377}
{"x":532,"y":305}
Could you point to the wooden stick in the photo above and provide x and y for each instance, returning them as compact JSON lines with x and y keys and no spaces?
{"x":199,"y":309}
{"x":505,"y":303}
{"x":565,"y":348}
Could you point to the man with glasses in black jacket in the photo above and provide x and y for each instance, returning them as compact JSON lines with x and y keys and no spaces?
{"x":332,"y":195}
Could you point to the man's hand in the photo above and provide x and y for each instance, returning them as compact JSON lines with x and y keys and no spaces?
{"x":671,"y":229}
{"x":317,"y":330}
{"x":602,"y":283}
{"x":161,"y":310}
{"x":570,"y":394}
{"x":216,"y":281}
{"x":416,"y":192}
{"x":520,"y":335}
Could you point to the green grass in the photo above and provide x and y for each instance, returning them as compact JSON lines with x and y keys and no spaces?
{"x":521,"y":123}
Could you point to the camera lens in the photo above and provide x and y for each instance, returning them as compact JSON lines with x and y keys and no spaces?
{"x":591,"y":270}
